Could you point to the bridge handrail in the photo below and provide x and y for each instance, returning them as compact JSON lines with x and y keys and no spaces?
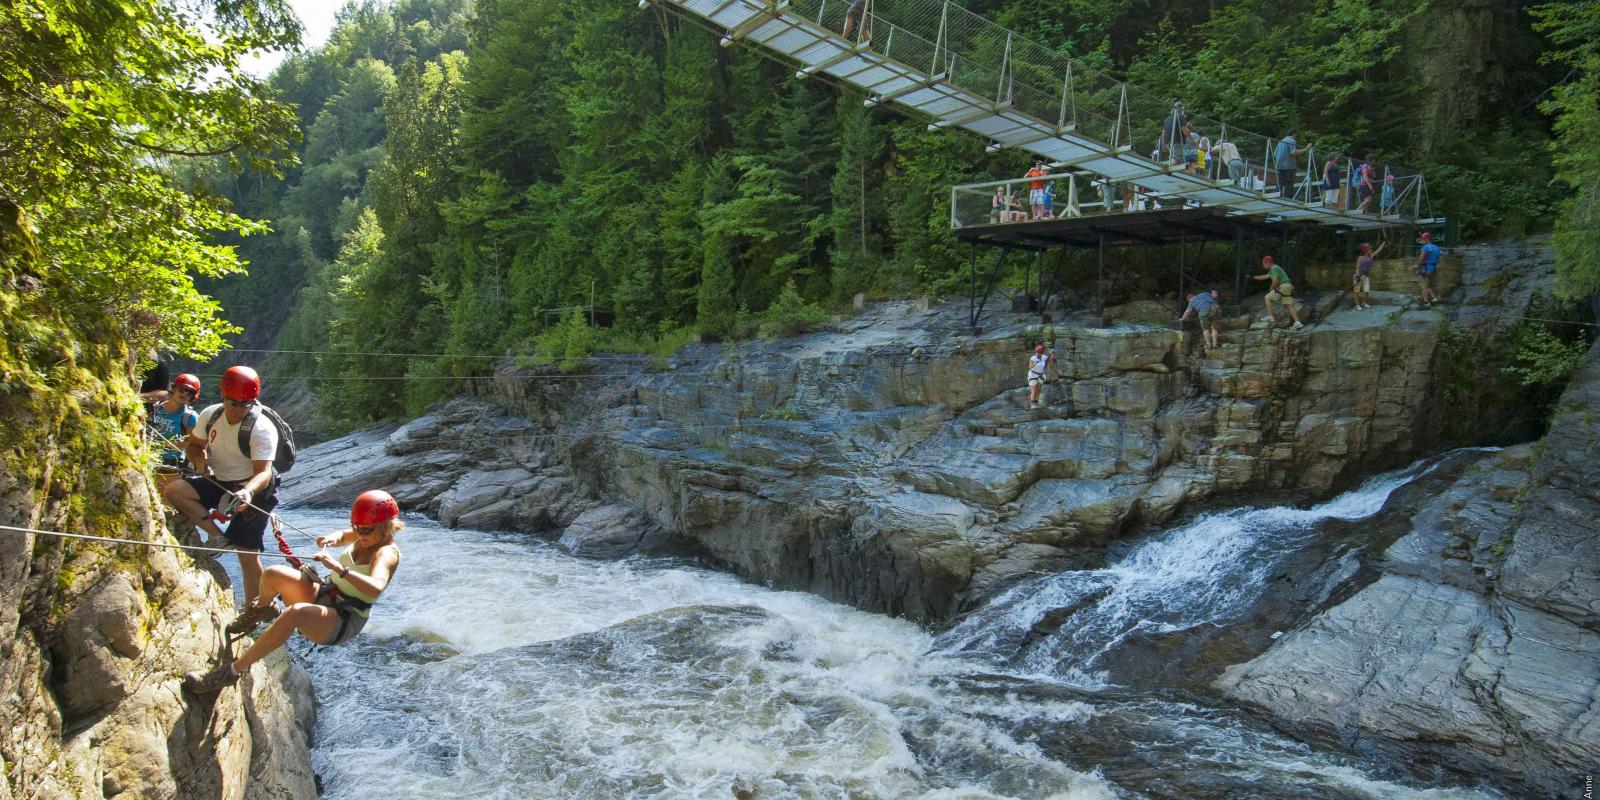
{"x":970,"y":52}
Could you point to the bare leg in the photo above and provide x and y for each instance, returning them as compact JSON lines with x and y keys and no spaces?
{"x":317,"y":623}
{"x":1294,"y":315}
{"x":1271,"y":317}
{"x":250,"y":569}
{"x":181,"y":496}
{"x":285,"y":582}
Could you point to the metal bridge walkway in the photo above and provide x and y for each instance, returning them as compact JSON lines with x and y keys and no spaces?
{"x":963,"y":71}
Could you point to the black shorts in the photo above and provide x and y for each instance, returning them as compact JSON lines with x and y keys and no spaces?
{"x":247,"y":526}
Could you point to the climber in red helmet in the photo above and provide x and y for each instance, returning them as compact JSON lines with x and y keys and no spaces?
{"x":231,"y":455}
{"x":328,"y":611}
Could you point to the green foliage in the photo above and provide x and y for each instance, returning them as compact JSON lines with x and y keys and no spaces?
{"x":521,"y":158}
{"x":568,"y":343}
{"x":790,"y":315}
{"x":100,"y":102}
{"x":1541,"y":359}
{"x":1574,"y":27}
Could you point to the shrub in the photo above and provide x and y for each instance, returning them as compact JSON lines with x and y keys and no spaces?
{"x":789,"y":315}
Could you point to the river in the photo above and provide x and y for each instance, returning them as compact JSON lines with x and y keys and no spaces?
{"x":496,"y":666}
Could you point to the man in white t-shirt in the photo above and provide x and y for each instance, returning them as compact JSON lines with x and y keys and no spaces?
{"x":222,"y":468}
{"x":1038,"y":364}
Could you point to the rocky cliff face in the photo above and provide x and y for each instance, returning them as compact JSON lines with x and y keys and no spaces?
{"x":894,"y":463}
{"x":1480,"y":640}
{"x":95,"y":636}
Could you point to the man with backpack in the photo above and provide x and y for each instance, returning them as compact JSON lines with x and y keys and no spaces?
{"x":237,"y":447}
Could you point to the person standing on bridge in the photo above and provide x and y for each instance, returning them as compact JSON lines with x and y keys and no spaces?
{"x":1174,"y":133}
{"x":1285,"y":161}
{"x":1366,"y":184}
{"x":1226,"y":152}
{"x":1281,"y":291}
{"x":1036,"y":188}
{"x":853,"y":20}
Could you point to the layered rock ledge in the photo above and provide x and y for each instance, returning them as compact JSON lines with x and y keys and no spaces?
{"x":1480,"y":639}
{"x":894,"y":463}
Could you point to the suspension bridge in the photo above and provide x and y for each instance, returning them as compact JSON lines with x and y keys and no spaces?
{"x":963,"y":71}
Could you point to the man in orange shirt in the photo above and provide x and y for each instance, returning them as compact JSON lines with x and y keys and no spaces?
{"x":1036,"y":188}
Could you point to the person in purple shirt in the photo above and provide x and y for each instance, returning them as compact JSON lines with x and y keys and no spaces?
{"x":1363,"y":276}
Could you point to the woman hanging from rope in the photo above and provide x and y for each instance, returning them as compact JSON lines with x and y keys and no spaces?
{"x":327,"y":611}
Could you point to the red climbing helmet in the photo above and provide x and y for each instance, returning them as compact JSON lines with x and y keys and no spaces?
{"x":241,"y":383}
{"x":1427,"y":236}
{"x":1038,"y":348}
{"x":1266,"y":260}
{"x":187,"y":381}
{"x":374,"y":507}
{"x":1366,"y":247}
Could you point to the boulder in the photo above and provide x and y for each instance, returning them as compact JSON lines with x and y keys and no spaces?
{"x":611,"y":531}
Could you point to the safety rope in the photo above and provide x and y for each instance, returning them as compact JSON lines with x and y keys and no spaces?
{"x":277,"y":521}
{"x":288,"y":554}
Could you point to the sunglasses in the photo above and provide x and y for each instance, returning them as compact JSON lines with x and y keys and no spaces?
{"x":239,"y":403}
{"x":364,"y":530}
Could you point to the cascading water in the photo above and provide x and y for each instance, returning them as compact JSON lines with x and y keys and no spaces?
{"x":1206,"y":572}
{"x":498,"y":667}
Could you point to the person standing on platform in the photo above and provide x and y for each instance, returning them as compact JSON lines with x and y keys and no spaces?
{"x":1330,"y":182}
{"x":1281,"y":292}
{"x":1285,"y":161}
{"x":1366,"y":184}
{"x":1174,"y":134}
{"x":1036,"y":188}
{"x":1226,"y":152}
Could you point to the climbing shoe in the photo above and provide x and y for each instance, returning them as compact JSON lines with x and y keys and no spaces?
{"x":219,"y":678}
{"x":215,"y":543}
{"x":251,"y":617}
{"x":1297,"y":326}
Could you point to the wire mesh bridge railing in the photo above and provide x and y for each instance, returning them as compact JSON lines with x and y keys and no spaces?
{"x":962,"y":70}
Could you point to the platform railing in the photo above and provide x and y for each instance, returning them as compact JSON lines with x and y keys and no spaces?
{"x":1072,"y":195}
{"x":959,"y":48}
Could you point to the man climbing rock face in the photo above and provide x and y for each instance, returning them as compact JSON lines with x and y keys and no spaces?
{"x":222,"y":468}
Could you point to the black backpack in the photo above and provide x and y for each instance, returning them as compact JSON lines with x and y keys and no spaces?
{"x":283,"y":460}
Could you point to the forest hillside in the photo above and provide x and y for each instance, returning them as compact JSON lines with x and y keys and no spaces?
{"x":488,"y":178}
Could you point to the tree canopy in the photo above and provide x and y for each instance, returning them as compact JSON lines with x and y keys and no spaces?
{"x":99,"y":105}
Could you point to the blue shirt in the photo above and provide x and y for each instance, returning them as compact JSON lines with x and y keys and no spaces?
{"x":1430,"y":257}
{"x":172,"y":426}
{"x":1285,"y":155}
{"x":1202,"y":303}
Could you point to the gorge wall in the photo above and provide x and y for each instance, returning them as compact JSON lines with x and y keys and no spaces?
{"x":893,"y":462}
{"x":94,"y":637}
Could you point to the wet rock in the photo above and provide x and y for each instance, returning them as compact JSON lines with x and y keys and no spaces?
{"x":611,"y":531}
{"x":1479,"y":642}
